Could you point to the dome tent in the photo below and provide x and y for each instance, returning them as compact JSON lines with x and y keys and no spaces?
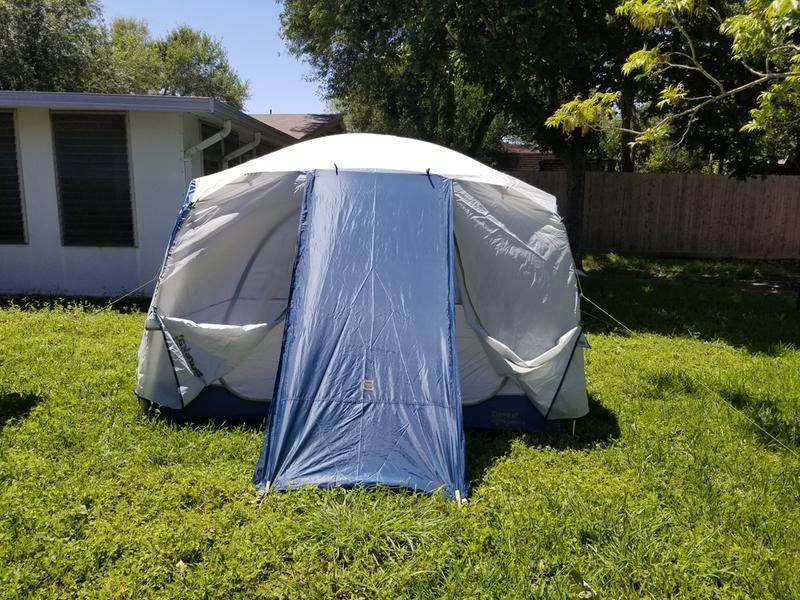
{"x":431,"y":273}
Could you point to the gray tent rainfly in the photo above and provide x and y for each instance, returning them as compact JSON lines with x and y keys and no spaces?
{"x":375,"y":294}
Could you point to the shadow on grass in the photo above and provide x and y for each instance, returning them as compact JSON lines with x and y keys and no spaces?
{"x":765,"y":412}
{"x":41,"y":302}
{"x":756,"y":321}
{"x":486,"y":447}
{"x":672,"y":381}
{"x":153,"y":413}
{"x":483,"y":446}
{"x":769,"y":276}
{"x":16,"y":406}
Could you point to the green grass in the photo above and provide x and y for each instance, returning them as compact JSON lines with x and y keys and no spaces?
{"x":674,"y":486}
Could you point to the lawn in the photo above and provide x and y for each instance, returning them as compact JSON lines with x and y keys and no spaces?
{"x":684,"y":481}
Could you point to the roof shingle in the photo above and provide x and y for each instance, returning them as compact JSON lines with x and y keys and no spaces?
{"x":303,"y":126}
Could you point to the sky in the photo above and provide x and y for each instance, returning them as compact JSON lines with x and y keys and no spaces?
{"x":249,"y":32}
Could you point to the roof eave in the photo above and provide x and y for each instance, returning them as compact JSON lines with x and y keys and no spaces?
{"x":127,"y":102}
{"x":97,"y":101}
{"x":269,"y":134}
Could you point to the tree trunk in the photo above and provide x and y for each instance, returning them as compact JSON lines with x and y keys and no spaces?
{"x":626,"y":107}
{"x":574,"y":157}
{"x":480,"y":131}
{"x":449,"y":111}
{"x":797,"y":170}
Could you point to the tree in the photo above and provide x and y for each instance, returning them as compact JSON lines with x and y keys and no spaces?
{"x":185,"y":62}
{"x":534,"y":56}
{"x":133,"y":62}
{"x":727,"y":80}
{"x":63,"y":45}
{"x":392,"y":67}
{"x":50,"y":44}
{"x":195,"y":64}
{"x":449,"y":71}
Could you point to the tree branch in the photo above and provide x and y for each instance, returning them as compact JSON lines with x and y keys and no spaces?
{"x":686,"y":131}
{"x":691,"y":112}
{"x":752,"y":70}
{"x":716,"y":14}
{"x":693,"y":56}
{"x":695,"y":62}
{"x":751,"y":84}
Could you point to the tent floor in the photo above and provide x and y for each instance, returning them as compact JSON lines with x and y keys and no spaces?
{"x":507,"y":413}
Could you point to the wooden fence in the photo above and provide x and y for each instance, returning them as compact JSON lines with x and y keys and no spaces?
{"x":685,"y":214}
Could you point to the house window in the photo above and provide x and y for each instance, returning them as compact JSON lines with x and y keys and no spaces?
{"x":213,"y":155}
{"x":263,"y":149}
{"x":93,"y":179}
{"x":231,"y":143}
{"x":12,"y":226}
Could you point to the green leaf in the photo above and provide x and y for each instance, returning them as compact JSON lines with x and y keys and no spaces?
{"x":645,"y":60}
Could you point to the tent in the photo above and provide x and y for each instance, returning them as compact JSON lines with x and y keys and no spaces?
{"x":375,"y":294}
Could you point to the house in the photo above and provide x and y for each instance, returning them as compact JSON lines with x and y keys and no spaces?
{"x":90,"y":184}
{"x":304,"y":127}
{"x":526,"y":158}
{"x":522,"y":159}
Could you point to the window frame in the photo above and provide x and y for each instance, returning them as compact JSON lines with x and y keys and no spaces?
{"x":20,"y":181}
{"x":129,"y":156}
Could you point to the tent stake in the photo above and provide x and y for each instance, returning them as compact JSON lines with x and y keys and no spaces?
{"x":573,"y":427}
{"x":261,"y":493}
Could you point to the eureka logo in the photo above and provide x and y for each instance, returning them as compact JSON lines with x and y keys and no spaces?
{"x":186,"y":351}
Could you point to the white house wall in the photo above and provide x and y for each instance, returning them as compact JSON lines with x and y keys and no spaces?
{"x":159,"y":187}
{"x":44,"y":265}
{"x":191,"y":136}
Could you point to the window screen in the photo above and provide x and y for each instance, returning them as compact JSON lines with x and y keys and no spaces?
{"x":12,"y":228}
{"x":93,"y":179}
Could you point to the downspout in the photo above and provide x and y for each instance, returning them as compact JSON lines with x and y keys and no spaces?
{"x":243,"y":149}
{"x":209,"y":141}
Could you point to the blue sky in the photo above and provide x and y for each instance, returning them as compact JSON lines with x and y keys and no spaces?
{"x":249,"y":31}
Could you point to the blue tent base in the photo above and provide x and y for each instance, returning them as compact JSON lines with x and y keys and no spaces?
{"x":510,"y":413}
{"x":217,"y":403}
{"x":504,"y":413}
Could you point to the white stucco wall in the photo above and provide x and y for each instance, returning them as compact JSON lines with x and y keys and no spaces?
{"x":191,"y":136}
{"x":44,"y":265}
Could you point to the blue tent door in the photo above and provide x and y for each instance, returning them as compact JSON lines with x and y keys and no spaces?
{"x":368,"y":388}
